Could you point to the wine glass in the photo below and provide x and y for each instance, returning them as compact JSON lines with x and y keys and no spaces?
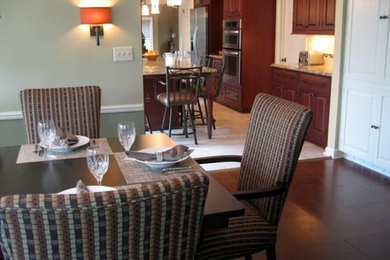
{"x":97,"y":161}
{"x":126,"y":134}
{"x":47,"y":134}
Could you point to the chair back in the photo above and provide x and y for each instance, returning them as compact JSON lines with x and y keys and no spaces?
{"x":218,"y":76}
{"x":76,"y":109}
{"x":182,"y":85}
{"x":276,"y":133}
{"x":161,"y":220}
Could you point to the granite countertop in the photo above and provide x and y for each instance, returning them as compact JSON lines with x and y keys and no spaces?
{"x":325,"y":70}
{"x":157,"y":67}
{"x":214,"y":56}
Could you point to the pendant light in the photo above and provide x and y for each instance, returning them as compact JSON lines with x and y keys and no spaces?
{"x":173,"y":3}
{"x":145,"y":10}
{"x":155,"y":8}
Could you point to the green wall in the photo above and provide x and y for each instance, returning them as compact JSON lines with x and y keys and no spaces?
{"x":43,"y":45}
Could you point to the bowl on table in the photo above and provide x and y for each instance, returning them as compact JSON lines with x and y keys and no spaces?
{"x":151,"y":56}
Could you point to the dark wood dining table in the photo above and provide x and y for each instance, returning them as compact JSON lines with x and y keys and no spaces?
{"x":52,"y":176}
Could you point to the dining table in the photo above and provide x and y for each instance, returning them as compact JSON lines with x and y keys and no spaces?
{"x":154,"y":71}
{"x":23,"y":171}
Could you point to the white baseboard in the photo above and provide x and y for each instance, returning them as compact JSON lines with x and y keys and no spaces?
{"x":334,"y":153}
{"x":13,"y":115}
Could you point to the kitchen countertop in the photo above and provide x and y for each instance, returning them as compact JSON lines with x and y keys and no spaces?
{"x":324,"y":70}
{"x":214,"y":56}
{"x":157,"y":67}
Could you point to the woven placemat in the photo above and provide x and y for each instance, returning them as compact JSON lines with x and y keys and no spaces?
{"x":136,"y":172}
{"x":26,"y":154}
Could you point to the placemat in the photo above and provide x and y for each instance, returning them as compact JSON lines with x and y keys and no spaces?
{"x":26,"y":154}
{"x":136,"y":172}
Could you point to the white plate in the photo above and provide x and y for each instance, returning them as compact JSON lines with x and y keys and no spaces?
{"x":83,"y":140}
{"x":156,"y":164}
{"x":91,"y":188}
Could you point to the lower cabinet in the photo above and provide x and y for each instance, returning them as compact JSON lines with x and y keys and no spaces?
{"x":230,"y":95}
{"x":310,"y":90}
{"x":365,"y":131}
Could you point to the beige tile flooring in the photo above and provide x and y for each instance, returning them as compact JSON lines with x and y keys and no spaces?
{"x":229,"y":138}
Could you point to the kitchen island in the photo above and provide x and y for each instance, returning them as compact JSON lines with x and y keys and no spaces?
{"x":154,"y":111}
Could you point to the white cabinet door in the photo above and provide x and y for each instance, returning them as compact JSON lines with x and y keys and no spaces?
{"x":362,"y":38}
{"x":356,"y":136}
{"x":368,"y":56}
{"x":382,"y":156}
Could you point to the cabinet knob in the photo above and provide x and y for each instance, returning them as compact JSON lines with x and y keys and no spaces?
{"x":147,"y":99}
{"x":383,"y":17}
{"x":312,"y":95}
{"x":374,"y":127}
{"x":283,"y":59}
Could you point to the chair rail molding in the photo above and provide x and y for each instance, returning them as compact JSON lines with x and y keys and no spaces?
{"x":13,"y":115}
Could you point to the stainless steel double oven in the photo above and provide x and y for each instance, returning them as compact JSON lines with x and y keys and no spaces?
{"x":231,"y":45}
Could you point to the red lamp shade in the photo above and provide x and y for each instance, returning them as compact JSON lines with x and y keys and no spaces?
{"x":95,"y":15}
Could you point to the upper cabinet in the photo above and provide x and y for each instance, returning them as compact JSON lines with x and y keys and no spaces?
{"x":199,"y":3}
{"x":314,"y":16}
{"x":232,"y":9}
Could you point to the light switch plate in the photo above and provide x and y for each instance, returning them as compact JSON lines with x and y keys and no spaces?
{"x":124,"y":53}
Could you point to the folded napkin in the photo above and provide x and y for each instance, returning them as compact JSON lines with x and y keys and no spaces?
{"x":65,"y":137}
{"x":81,"y":187}
{"x":173,"y":154}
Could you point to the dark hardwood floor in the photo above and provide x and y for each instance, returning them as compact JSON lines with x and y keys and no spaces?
{"x":335,"y":209}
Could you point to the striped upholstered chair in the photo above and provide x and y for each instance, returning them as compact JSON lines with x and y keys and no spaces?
{"x":275,"y":136}
{"x":77,"y":109}
{"x":156,"y":221}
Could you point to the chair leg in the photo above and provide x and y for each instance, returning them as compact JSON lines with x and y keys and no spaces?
{"x":163,"y":120}
{"x":207,"y":111}
{"x":148,"y":123}
{"x":248,"y":257}
{"x":185,"y":116}
{"x":170,"y":121}
{"x":200,"y":112}
{"x":193,"y":126}
{"x":271,"y":252}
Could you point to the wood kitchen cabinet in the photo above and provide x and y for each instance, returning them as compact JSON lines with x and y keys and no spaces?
{"x":310,"y":90}
{"x":313,"y":16}
{"x":199,"y":3}
{"x":257,"y":54}
{"x":232,"y":9}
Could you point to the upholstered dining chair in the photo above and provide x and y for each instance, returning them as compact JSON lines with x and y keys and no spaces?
{"x":275,"y":136}
{"x":161,"y":220}
{"x":77,"y":109}
{"x":181,"y":90}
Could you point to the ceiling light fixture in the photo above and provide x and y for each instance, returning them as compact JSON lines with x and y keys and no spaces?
{"x":155,"y":8}
{"x":173,"y":3}
{"x":145,"y":10}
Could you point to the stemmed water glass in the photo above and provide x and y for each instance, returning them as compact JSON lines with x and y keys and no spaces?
{"x":126,"y":134}
{"x":97,"y":161}
{"x":47,"y":135}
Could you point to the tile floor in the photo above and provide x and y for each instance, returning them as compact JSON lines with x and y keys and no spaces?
{"x":229,"y":138}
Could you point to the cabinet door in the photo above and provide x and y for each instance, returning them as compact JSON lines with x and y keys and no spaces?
{"x":285,"y":85}
{"x":366,"y":39}
{"x":232,"y":8}
{"x":306,"y":16}
{"x":328,"y":16}
{"x":315,"y":93}
{"x":356,"y":138}
{"x":382,"y":155}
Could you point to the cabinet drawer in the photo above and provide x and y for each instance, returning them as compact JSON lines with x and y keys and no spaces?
{"x":289,"y":77}
{"x":232,"y":94}
{"x":314,"y":81}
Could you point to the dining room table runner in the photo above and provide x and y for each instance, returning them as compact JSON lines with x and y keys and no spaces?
{"x":136,"y":172}
{"x":26,"y":153}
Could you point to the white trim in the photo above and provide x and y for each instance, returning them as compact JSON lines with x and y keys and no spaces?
{"x":12,"y":115}
{"x":368,"y":165}
{"x":334,"y":153}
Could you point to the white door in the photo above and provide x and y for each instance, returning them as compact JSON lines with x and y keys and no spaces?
{"x":290,"y":44}
{"x":356,"y":136}
{"x":382,"y":156}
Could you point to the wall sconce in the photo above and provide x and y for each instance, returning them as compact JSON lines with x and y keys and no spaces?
{"x":95,"y":17}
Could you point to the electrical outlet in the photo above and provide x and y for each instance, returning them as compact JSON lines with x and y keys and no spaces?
{"x":124,"y":53}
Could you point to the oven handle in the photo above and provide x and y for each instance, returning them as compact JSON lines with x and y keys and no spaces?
{"x":230,"y":52}
{"x":231,"y":31}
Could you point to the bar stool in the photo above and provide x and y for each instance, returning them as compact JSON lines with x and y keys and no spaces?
{"x":181,"y":90}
